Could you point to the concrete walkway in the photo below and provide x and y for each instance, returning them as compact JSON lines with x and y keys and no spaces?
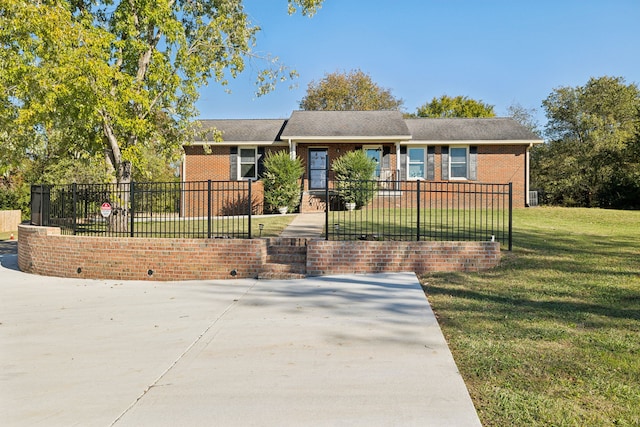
{"x":309,"y":225}
{"x":326,"y":351}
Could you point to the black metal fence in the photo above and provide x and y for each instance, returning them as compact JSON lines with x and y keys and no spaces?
{"x":203,"y":209}
{"x":384,"y":210}
{"x":420,"y":210}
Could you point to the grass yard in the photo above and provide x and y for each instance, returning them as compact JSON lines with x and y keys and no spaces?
{"x":185,"y":228}
{"x":6,"y":235}
{"x":552,"y":336}
{"x":435,"y":224}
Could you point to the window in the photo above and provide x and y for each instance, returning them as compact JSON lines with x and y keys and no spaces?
{"x":458,"y":162}
{"x":248,"y":163}
{"x":416,"y":163}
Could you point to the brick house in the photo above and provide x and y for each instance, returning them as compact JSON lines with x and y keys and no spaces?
{"x":494,"y":150}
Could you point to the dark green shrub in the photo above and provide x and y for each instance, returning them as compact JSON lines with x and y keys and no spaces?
{"x":353,"y":173}
{"x":280,"y":179}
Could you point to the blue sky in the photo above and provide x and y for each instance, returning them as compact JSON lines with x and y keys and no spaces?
{"x":500,"y":52}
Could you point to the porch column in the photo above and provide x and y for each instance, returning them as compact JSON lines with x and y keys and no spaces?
{"x":398,"y":160}
{"x":292,"y":149}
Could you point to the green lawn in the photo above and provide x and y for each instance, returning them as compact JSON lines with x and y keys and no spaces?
{"x":184,"y":228}
{"x":435,"y":224}
{"x":552,"y":336}
{"x":7,"y":235}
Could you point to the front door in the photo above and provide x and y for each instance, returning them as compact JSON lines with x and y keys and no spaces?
{"x":375,"y":153}
{"x":318,"y":165}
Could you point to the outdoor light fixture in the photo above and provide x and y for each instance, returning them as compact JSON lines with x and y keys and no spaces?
{"x":261,"y":227}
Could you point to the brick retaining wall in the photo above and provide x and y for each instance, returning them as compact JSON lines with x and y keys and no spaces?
{"x":43,"y":250}
{"x":325,"y":257}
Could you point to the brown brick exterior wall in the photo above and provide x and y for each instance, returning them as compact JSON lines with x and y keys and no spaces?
{"x":498,"y":164}
{"x":42,"y":250}
{"x":200,"y":166}
{"x":325,"y":257}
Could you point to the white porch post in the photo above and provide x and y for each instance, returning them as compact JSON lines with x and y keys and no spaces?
{"x":398,"y":160}
{"x":292,"y":149}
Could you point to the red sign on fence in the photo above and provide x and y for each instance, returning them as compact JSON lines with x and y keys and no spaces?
{"x":105,"y":209}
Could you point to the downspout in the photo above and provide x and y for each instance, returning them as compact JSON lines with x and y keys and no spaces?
{"x":527,"y":199}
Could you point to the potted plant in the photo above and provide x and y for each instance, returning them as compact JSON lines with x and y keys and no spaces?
{"x":280,"y":179}
{"x":354,"y":171}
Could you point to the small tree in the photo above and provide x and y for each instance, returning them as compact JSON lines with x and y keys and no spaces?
{"x":353,"y":170}
{"x":280,"y":181}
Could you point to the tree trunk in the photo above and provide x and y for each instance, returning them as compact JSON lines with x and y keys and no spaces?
{"x":119,"y":220}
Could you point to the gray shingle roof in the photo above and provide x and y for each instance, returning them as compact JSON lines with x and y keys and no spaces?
{"x":245,"y":130}
{"x":473,"y":129}
{"x":345,"y":124}
{"x":367,"y":124}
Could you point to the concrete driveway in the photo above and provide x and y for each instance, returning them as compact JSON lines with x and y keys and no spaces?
{"x":326,"y":351}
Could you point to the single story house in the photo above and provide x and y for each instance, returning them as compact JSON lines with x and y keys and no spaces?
{"x":491,"y":150}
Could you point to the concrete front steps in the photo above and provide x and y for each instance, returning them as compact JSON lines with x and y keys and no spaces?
{"x":313,"y":203}
{"x":286,"y":259}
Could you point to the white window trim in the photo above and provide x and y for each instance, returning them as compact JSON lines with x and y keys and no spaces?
{"x":425,"y":150}
{"x":255,"y":163}
{"x":466,"y":174}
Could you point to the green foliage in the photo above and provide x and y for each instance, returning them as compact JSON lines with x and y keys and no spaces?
{"x":280,"y":179}
{"x":353,"y":171}
{"x":524,"y":116}
{"x":592,"y":157}
{"x":118,"y":78}
{"x":460,"y":106}
{"x":352,"y":91}
{"x":16,"y":198}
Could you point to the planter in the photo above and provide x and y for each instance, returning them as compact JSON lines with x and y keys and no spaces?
{"x":283,"y":209}
{"x":350,"y":206}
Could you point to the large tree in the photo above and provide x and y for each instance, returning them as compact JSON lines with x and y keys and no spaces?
{"x":117,"y":79}
{"x":524,"y":116}
{"x":459,"y":106}
{"x":353,"y":90}
{"x":592,"y":156}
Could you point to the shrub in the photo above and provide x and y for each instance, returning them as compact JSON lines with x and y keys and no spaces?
{"x":280,"y":179}
{"x":353,"y":172}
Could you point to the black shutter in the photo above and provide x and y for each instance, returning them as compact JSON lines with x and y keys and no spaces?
{"x":233,"y":163}
{"x":445,"y":163}
{"x":403,"y":163}
{"x":260,"y":161}
{"x":431,"y":163}
{"x":386,"y":157}
{"x":473,"y":163}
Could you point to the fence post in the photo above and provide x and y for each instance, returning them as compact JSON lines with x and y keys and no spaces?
{"x":131,"y":207}
{"x":208,"y":209}
{"x":74,"y":189}
{"x":249,"y":207}
{"x":418,"y":210}
{"x":510,"y":216}
{"x":326,"y":207}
